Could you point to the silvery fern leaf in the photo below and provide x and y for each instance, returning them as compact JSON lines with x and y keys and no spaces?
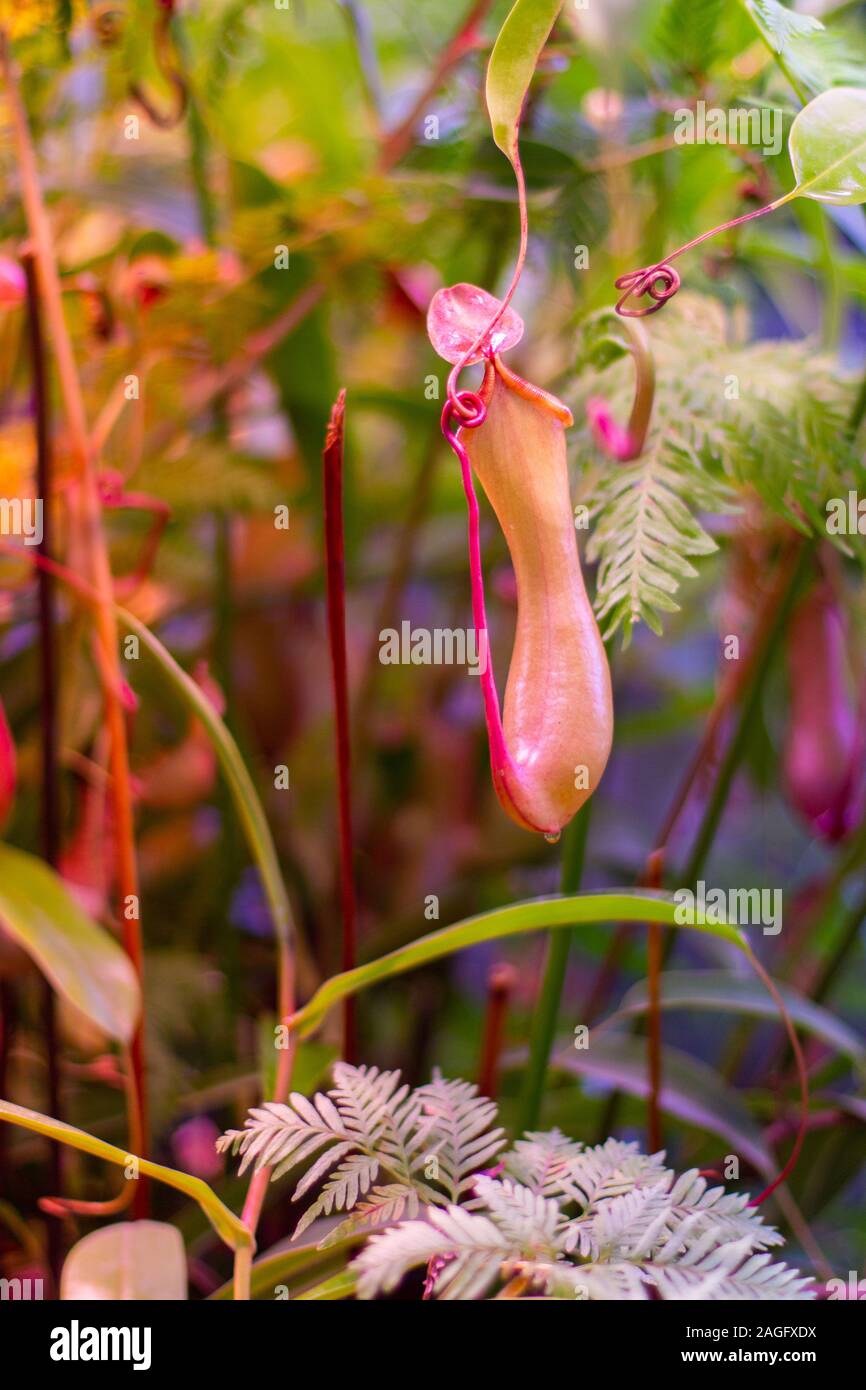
{"x":286,"y":1135}
{"x":607,"y":1170}
{"x":454,"y":1138}
{"x":528,"y":1221}
{"x":475,"y":1248}
{"x":695,"y":1206}
{"x":553,"y":1220}
{"x":382,"y":1206}
{"x":730,"y":1273}
{"x":540,"y":1161}
{"x":426,"y":1144}
{"x":351,"y":1181}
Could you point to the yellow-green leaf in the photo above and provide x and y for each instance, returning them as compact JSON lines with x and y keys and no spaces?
{"x":81,"y":959}
{"x":535,"y":915}
{"x":228,"y":1226}
{"x":512,"y":63}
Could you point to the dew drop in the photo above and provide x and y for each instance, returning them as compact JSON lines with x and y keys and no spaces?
{"x":553,"y":836}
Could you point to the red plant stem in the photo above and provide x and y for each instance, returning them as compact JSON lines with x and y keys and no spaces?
{"x":336,"y":598}
{"x":802,"y":1076}
{"x":500,"y":987}
{"x":49,"y":795}
{"x":86,"y":518}
{"x":465,"y":39}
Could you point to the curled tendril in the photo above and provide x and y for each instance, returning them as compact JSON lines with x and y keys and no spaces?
{"x":660,"y":282}
{"x":169,"y":67}
{"x":470,"y":410}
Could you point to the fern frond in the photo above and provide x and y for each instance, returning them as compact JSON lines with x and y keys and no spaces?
{"x":562,"y":1221}
{"x":476,"y":1245}
{"x":285,"y":1136}
{"x":605,"y":1171}
{"x":728,"y":420}
{"x":646,"y":532}
{"x":527,"y":1221}
{"x":383,"y":1206}
{"x":539,"y":1160}
{"x":730,"y":1273}
{"x":686,"y":34}
{"x":814,"y":57}
{"x":378,"y":1112}
{"x":455,"y":1129}
{"x":353,"y":1178}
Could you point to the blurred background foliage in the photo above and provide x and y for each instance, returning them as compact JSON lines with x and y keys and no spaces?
{"x":292,"y":140}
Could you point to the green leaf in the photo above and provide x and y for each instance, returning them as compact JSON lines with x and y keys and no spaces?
{"x":686,"y":34}
{"x":691,"y":1091}
{"x":244,"y":794}
{"x":81,"y":959}
{"x":130,"y":1261}
{"x":535,"y":915}
{"x":647,"y":531}
{"x":512,"y":64}
{"x":827,"y":145}
{"x":341,"y":1285}
{"x":719,"y":991}
{"x":779,"y":25}
{"x":227,"y":1226}
{"x":295,"y":1268}
{"x":810,"y":56}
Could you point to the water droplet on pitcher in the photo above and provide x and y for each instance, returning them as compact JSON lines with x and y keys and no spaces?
{"x":553,"y":836}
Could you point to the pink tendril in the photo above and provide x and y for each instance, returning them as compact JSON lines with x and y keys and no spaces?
{"x":473,"y":412}
{"x":660,"y":281}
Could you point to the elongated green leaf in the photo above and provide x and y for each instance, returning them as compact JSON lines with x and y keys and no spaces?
{"x":827,"y":145}
{"x":691,"y":1091}
{"x":341,"y":1285}
{"x":295,"y":1267}
{"x":228,"y":1226}
{"x":81,"y":959}
{"x":240,"y":783}
{"x":130,"y":1261}
{"x":512,"y":63}
{"x":721,"y":992}
{"x":620,"y":906}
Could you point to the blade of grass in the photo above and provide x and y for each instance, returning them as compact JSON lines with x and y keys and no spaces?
{"x":534,"y":915}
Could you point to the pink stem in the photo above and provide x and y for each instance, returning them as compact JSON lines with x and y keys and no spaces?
{"x":648,"y":279}
{"x":503,"y":765}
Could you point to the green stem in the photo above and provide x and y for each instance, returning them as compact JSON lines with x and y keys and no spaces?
{"x":558,"y":947}
{"x":748,"y":713}
{"x":847,"y":941}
